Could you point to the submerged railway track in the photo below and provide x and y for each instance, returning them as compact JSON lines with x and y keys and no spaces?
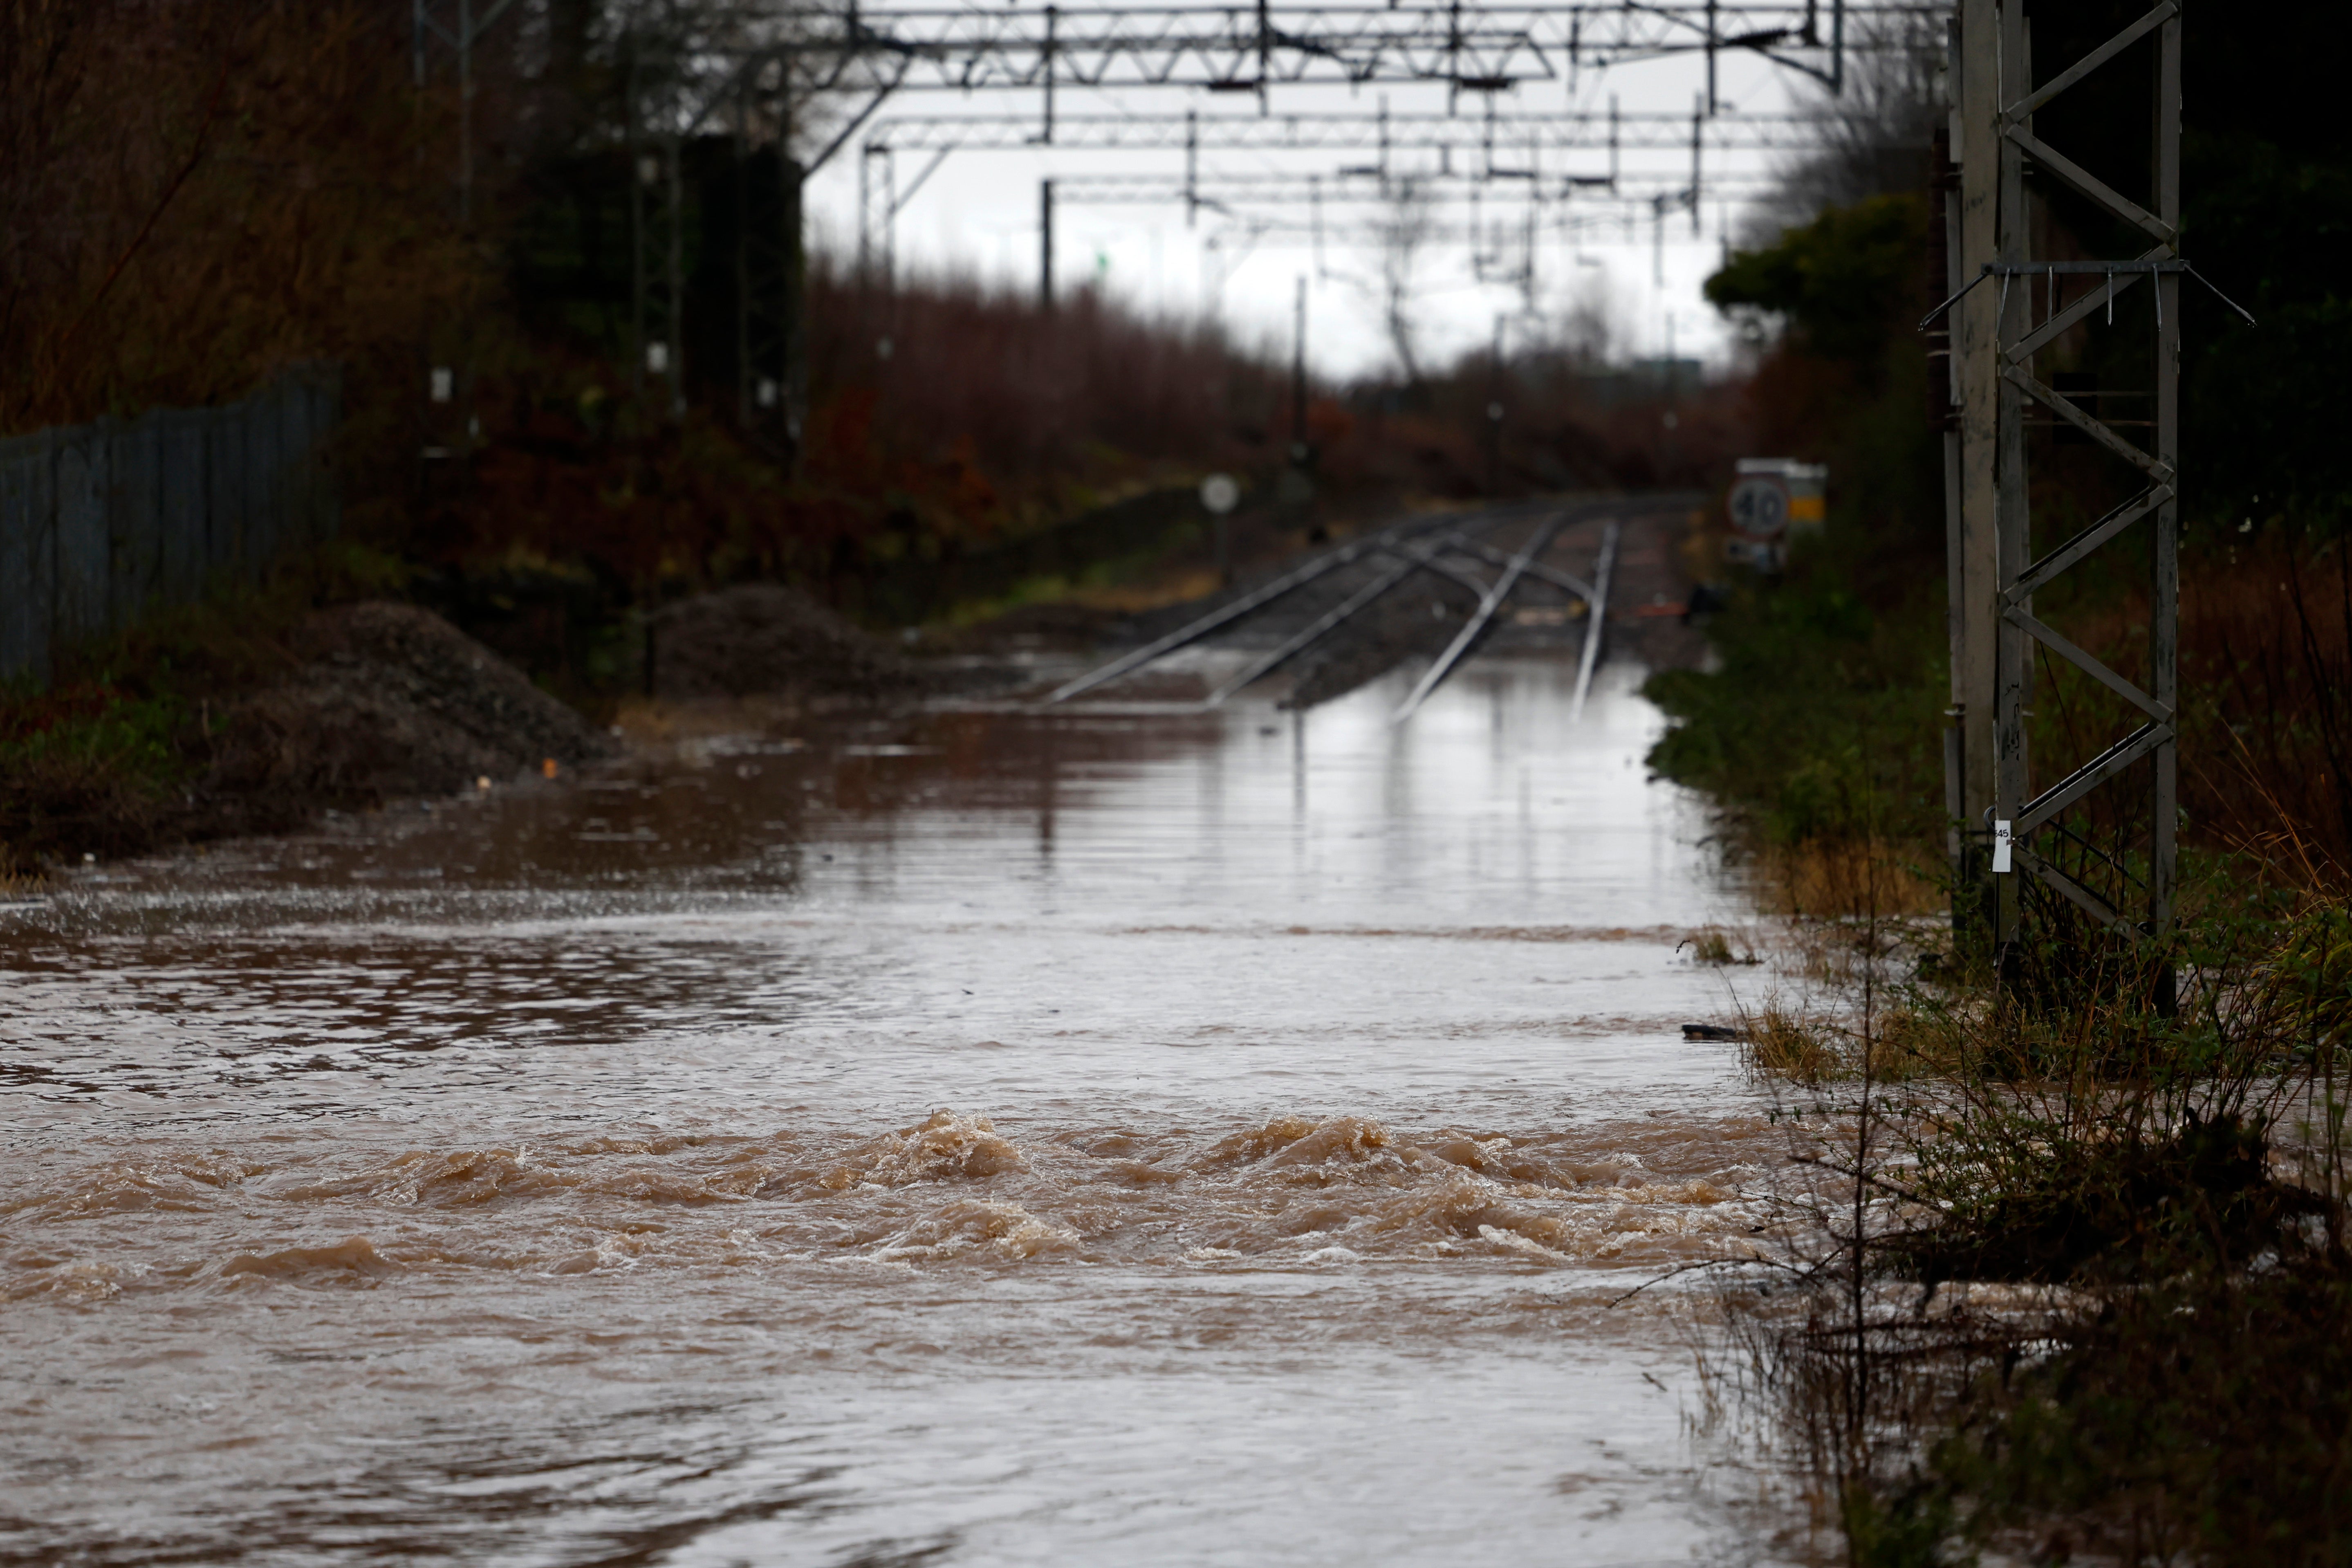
{"x":1351,"y":611}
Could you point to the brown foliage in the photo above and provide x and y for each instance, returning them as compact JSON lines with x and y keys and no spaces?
{"x":2266,"y":638}
{"x":974,"y":369}
{"x":194,"y":193}
{"x":955,"y":414}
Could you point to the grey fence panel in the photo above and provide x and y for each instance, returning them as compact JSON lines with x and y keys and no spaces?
{"x":187,"y":560}
{"x":265,"y":482}
{"x":135,"y":520}
{"x":225,"y":490}
{"x":83,"y":571}
{"x":27,"y":558}
{"x":102,"y":523}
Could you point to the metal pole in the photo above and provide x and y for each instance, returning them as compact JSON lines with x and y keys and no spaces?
{"x":864,"y":210}
{"x":465,"y":112}
{"x":889,"y":246}
{"x":1711,"y":95}
{"x":1974,"y":325}
{"x":1314,"y":215}
{"x":1298,"y":374}
{"x":1943,"y":283}
{"x":1697,"y":127}
{"x":794,"y":324}
{"x":744,"y":255}
{"x":1052,"y":17}
{"x":791,"y":325}
{"x":637,"y":280}
{"x":1045,"y":243}
{"x":2164,"y":643}
{"x":1997,"y":636}
{"x":1494,"y":410}
{"x":1266,"y":57}
{"x":676,"y":281}
{"x":1192,"y":166}
{"x":2012,"y":523}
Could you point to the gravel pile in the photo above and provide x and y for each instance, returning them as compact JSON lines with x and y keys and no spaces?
{"x":760,"y":640}
{"x":389,"y":700}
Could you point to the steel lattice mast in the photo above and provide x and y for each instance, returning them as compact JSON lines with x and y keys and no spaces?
{"x":2011,"y":308}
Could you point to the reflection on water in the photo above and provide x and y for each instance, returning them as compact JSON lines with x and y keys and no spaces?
{"x":973,"y":1138}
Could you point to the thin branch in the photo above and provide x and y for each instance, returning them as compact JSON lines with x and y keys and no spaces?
{"x":187,"y":168}
{"x":1676,"y":1272}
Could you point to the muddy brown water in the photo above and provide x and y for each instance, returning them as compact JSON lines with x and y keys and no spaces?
{"x":974,"y":1138}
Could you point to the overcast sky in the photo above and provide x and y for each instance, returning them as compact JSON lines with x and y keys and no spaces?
{"x":980,"y":212}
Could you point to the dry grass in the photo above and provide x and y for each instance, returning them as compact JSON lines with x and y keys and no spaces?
{"x":1720,"y":948}
{"x":15,"y":884}
{"x":1810,"y":1047}
{"x":1800,"y":1049}
{"x":1845,"y":880}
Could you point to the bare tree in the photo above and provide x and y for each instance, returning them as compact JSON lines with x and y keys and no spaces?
{"x":1405,"y":232}
{"x":1875,"y":132}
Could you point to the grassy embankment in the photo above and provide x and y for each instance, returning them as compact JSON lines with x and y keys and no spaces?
{"x":102,"y":763}
{"x":2067,"y":1273}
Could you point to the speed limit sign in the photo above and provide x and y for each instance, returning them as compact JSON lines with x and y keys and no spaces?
{"x":1759,"y":507}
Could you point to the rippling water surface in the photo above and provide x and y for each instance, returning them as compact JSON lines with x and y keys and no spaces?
{"x":968,"y":1139}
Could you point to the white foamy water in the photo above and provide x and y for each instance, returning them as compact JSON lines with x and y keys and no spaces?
{"x":972,"y":1139}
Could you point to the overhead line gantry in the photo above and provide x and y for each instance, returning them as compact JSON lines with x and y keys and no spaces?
{"x":755,"y":70}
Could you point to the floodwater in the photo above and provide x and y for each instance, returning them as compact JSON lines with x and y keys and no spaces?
{"x":1137,"y":1138}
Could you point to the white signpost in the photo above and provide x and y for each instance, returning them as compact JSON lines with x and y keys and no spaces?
{"x":1220,"y":493}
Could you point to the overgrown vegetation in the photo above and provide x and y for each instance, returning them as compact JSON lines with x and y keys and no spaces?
{"x":2068,"y":1273}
